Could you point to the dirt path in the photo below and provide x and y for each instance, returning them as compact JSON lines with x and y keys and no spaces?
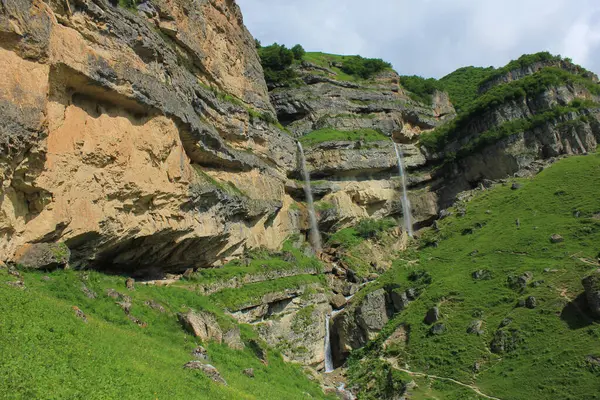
{"x":441,"y":378}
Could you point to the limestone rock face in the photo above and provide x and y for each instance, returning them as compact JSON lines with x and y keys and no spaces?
{"x":123,"y":133}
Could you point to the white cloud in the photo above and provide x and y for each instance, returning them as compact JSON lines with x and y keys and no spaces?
{"x":432,"y":37}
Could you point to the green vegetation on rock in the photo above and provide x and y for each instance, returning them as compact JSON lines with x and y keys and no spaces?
{"x":528,"y":86}
{"x":48,"y":352}
{"x":527,"y":349}
{"x":329,"y":134}
{"x":462,"y":85}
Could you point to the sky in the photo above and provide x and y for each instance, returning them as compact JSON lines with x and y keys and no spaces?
{"x":432,"y":38}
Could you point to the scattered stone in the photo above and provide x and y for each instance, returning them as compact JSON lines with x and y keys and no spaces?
{"x":14,"y":272}
{"x":548,"y":270}
{"x":531,"y":302}
{"x":126,"y":303}
{"x":537,"y":283}
{"x":487,"y":183}
{"x":249,"y":372}
{"x":577,"y":213}
{"x":130,"y":283}
{"x":444,"y":214}
{"x":591,"y":285}
{"x":200,"y":353}
{"x":515,"y":186}
{"x":476,"y":328}
{"x":90,"y":294}
{"x":17,"y":284}
{"x":467,"y":231}
{"x":593,"y":362}
{"x":155,"y":306}
{"x":46,"y":278}
{"x":412,"y":385}
{"x":207,"y":369}
{"x":556,"y":238}
{"x":188,"y":273}
{"x":233,"y":339}
{"x":505,"y":322}
{"x":79,"y":314}
{"x":399,"y":299}
{"x":412,"y":293}
{"x":505,"y":341}
{"x":432,"y":316}
{"x":476,"y":367}
{"x":482,"y":275}
{"x":474,"y":253}
{"x":113,"y":294}
{"x":488,"y":212}
{"x":45,"y":256}
{"x":201,"y":324}
{"x":338,"y":301}
{"x":521,"y":303}
{"x":518,"y":222}
{"x":520,"y":282}
{"x":136,"y":321}
{"x":437,"y":329}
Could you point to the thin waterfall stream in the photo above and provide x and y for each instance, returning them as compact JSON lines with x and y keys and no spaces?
{"x":315,"y":235}
{"x":328,"y":356}
{"x":408,"y":224}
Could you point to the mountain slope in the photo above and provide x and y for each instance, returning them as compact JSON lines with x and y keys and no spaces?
{"x":475,"y":260}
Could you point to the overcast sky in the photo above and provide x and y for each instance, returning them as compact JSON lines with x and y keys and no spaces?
{"x":432,"y":37}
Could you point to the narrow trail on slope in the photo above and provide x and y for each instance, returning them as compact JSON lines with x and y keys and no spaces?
{"x":395,"y":365}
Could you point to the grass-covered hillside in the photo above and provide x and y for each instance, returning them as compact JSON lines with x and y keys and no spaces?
{"x":513,"y":319}
{"x":49,"y":352}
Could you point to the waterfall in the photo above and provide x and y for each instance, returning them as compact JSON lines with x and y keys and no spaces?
{"x":405,"y":202}
{"x":328,"y":357}
{"x":315,"y":236}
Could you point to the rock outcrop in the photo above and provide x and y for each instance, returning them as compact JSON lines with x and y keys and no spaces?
{"x":132,"y":136}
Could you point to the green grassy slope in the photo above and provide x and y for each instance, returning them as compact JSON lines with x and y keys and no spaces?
{"x":553,"y":339}
{"x":49,"y":353}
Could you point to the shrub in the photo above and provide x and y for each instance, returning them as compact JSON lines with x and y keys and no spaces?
{"x":298,"y":52}
{"x":372,"y":228}
{"x":420,"y":89}
{"x":364,"y":67}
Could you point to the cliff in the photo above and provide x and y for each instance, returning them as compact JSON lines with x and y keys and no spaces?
{"x":138,"y":138}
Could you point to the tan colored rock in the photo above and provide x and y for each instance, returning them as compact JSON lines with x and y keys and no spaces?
{"x":398,"y":338}
{"x":233,"y":339}
{"x":202,"y":325}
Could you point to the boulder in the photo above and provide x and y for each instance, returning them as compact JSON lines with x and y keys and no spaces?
{"x":155,"y":306}
{"x":90,"y":294}
{"x":504,"y":341}
{"x":556,"y":238}
{"x":79,"y":314}
{"x":591,"y":285}
{"x":200,"y":353}
{"x":372,"y":313}
{"x":201,"y":324}
{"x":338,"y":301}
{"x":207,"y":369}
{"x":432,"y":316}
{"x":476,"y":328}
{"x":399,"y":299}
{"x":130,"y":283}
{"x":531,"y":302}
{"x":515,"y":186}
{"x":481,"y":275}
{"x":437,"y":329}
{"x":233,"y":339}
{"x":249,"y":372}
{"x":258,"y":351}
{"x":45,"y":256}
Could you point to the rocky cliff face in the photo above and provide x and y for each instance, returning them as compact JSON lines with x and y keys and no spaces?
{"x":132,"y":137}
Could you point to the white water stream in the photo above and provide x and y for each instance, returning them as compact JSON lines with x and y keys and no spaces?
{"x":408,"y":225}
{"x":315,"y":235}
{"x":328,"y":356}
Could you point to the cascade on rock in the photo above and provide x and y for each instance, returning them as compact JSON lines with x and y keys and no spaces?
{"x":315,"y":236}
{"x":408,"y":226}
{"x":328,"y":356}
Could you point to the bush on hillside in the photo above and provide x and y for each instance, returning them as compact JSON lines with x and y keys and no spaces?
{"x":363,"y":67}
{"x":420,"y":89}
{"x":298,"y":52}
